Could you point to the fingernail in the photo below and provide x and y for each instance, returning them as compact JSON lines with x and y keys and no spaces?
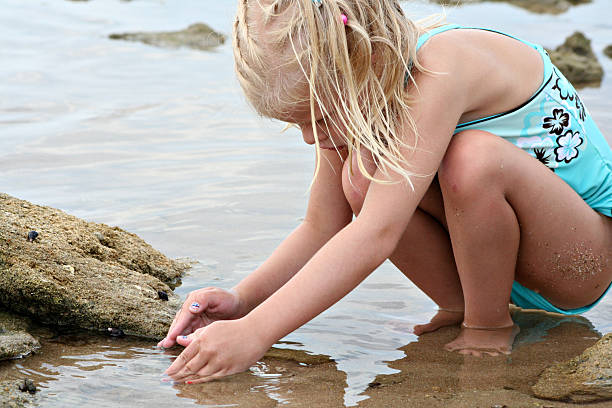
{"x":189,"y":382}
{"x":195,"y":305}
{"x":184,"y":337}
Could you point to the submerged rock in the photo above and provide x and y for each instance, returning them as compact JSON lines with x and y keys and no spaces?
{"x":576,"y":59}
{"x":82,"y":274}
{"x":536,"y":6}
{"x":199,"y":36}
{"x":586,"y":378}
{"x":15,"y":341}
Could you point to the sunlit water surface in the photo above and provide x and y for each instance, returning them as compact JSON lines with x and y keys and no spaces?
{"x":162,"y":143}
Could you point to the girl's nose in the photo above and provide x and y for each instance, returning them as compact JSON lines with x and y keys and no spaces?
{"x":308,"y":135}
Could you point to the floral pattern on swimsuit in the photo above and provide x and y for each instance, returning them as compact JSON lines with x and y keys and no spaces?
{"x":559,"y":137}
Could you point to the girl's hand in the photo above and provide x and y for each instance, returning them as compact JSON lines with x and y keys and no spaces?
{"x":220,"y":349}
{"x":202,"y":307}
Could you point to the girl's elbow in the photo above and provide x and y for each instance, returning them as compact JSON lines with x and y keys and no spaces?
{"x":388,"y":240}
{"x":383,"y":238}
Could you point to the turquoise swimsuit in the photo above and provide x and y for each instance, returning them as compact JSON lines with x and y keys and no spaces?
{"x":554,"y":127}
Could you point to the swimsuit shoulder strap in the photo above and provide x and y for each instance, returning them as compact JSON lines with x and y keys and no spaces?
{"x":426,"y":36}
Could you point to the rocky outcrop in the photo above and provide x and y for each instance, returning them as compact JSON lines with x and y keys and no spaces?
{"x":83,"y":274}
{"x":585,"y":378}
{"x":15,"y":341}
{"x":199,"y":36}
{"x":576,"y":59}
{"x":608,"y":50}
{"x":536,"y":6}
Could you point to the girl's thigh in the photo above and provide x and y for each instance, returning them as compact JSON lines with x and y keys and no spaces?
{"x":565,"y":249}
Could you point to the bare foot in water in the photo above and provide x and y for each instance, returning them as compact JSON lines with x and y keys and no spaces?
{"x":479,"y":341}
{"x":444,"y":317}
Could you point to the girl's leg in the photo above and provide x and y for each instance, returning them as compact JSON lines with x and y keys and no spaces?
{"x":511,"y":218}
{"x":428,"y":263}
{"x":424,"y":254}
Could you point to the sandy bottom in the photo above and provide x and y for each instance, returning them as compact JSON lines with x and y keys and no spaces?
{"x":428,"y":375}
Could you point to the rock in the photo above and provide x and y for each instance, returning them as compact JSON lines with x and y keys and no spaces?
{"x":536,"y":6}
{"x":586,"y":378}
{"x":577,"y":61}
{"x":608,"y":50}
{"x":17,"y":344}
{"x":82,"y":274}
{"x":199,"y":36}
{"x":28,"y":386}
{"x":15,"y":341}
{"x":12,"y":396}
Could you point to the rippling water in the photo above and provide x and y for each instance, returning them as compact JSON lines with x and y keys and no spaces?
{"x":161,"y":143}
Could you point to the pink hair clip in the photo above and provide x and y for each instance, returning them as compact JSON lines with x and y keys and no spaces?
{"x":344,"y":18}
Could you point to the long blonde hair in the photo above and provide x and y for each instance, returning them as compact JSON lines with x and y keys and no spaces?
{"x":292,"y":52}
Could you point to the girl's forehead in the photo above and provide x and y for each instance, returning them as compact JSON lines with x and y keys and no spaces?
{"x":300,"y":113}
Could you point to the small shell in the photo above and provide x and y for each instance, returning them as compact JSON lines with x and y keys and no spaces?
{"x":32,"y":236}
{"x":162,"y":295}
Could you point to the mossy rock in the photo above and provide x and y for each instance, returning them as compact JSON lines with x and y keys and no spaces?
{"x":583,"y":379}
{"x":577,"y":61}
{"x":198,"y":36}
{"x":82,"y":274}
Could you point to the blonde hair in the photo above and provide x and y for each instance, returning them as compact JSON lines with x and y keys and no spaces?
{"x":292,"y":52}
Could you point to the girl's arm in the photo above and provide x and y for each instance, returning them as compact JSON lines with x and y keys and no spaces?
{"x":348,"y":258}
{"x":229,"y":347}
{"x":327,"y":213}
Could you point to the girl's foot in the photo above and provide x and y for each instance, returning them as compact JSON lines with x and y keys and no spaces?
{"x":444,"y":317}
{"x":477,"y":341}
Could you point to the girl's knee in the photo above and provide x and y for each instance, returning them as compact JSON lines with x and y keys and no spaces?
{"x":472,"y":162}
{"x":355,"y":185}
{"x":355,"y":188}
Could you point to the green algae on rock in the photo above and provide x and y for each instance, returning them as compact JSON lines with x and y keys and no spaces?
{"x":536,"y":6}
{"x":585,"y":378}
{"x":82,"y":274}
{"x":577,"y":61}
{"x":199,"y":36}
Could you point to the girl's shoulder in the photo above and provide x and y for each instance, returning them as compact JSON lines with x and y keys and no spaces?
{"x":497,"y":71}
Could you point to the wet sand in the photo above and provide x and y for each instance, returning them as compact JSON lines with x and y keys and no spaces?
{"x":428,"y":375}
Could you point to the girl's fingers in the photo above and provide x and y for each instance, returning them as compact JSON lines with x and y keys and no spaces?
{"x":180,"y":326}
{"x":194,"y":369}
{"x":185,"y":340}
{"x":200,"y":380}
{"x":195,"y":307}
{"x":185,"y":357}
{"x":177,"y":323}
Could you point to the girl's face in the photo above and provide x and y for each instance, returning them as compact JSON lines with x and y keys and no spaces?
{"x":330,"y":137}
{"x":330,"y":130}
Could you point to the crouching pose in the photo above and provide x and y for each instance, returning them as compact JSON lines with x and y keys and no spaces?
{"x":461,"y":154}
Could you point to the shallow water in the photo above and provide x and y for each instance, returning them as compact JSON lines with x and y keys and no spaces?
{"x":161,"y":143}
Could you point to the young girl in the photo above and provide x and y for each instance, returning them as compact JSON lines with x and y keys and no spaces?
{"x":467,"y":159}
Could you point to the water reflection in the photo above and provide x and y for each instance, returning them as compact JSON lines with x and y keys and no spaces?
{"x":430,"y":373}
